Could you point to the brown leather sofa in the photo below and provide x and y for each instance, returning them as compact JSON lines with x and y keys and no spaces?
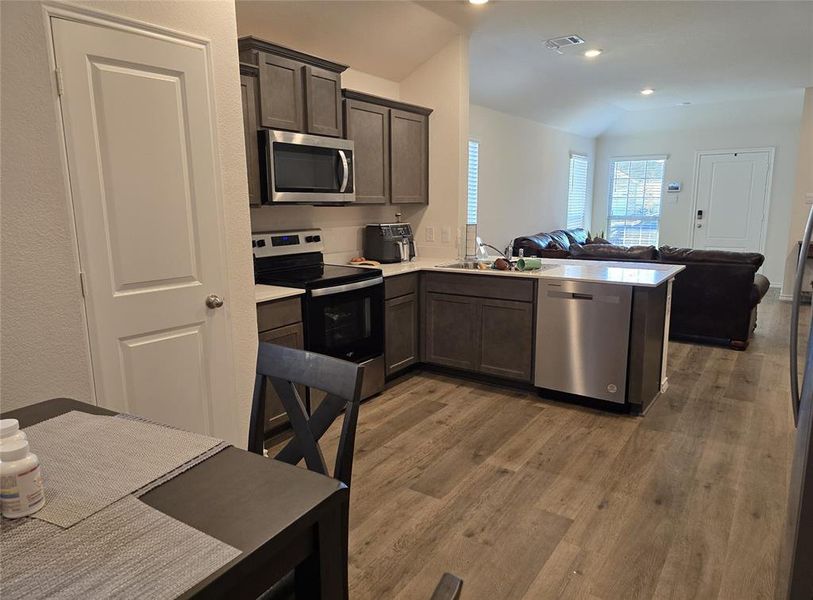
{"x":714,"y":299}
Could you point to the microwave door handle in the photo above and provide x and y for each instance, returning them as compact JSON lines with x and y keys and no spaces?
{"x":345,"y":172}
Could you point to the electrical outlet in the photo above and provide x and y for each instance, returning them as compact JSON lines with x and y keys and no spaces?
{"x":446,"y":234}
{"x":430,"y":234}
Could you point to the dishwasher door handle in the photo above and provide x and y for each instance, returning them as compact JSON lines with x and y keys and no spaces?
{"x":583,"y":296}
{"x":570,"y":295}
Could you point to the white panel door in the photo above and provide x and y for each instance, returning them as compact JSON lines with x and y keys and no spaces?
{"x":138,"y":123}
{"x":732,"y":201}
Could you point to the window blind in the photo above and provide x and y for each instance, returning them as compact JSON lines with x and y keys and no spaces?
{"x":636,"y":188}
{"x":577,"y":191}
{"x":473,"y":177}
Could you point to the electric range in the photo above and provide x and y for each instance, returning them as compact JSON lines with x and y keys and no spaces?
{"x":343,"y":306}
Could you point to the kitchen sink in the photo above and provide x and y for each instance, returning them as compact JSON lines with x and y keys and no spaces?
{"x":473,"y":266}
{"x":461,"y":265}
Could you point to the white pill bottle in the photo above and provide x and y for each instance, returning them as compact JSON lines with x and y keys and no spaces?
{"x":21,"y":491}
{"x":10,"y":430}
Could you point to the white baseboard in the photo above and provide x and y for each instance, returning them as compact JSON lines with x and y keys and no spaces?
{"x":786,"y":297}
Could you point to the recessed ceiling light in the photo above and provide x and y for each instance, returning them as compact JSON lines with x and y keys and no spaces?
{"x":477,"y":1}
{"x":593,"y":53}
{"x":647,"y":92}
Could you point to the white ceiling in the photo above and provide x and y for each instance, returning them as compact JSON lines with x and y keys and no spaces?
{"x":386,"y":39}
{"x":701,"y":52}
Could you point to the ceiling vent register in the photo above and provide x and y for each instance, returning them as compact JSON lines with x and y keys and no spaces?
{"x":556,"y":44}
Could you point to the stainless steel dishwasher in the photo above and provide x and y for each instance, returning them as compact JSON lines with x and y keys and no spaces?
{"x":582,"y":338}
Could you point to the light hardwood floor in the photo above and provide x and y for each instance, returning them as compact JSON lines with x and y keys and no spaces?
{"x":528,"y":498}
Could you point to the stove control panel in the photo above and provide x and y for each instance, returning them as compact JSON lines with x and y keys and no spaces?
{"x":280,"y":243}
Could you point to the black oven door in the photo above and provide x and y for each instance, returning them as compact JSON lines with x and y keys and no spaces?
{"x":346,"y":321}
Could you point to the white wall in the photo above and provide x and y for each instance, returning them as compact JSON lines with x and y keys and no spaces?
{"x":800,"y":205}
{"x":44,"y":351}
{"x":442,"y":83}
{"x":679,"y":132}
{"x":524,"y":170}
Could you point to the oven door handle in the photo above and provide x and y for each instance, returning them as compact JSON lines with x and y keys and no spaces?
{"x":347,"y":287}
{"x":345,"y":172}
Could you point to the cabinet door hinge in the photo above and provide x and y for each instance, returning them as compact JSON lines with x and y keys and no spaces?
{"x":82,"y":282}
{"x":60,"y":86}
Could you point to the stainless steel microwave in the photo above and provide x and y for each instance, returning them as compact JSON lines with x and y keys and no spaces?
{"x":305,"y":169}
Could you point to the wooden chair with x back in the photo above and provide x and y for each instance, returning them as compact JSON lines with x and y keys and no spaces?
{"x":285,"y":368}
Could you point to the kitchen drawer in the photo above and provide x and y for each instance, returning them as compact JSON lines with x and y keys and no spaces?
{"x":278,"y":313}
{"x":499,"y":287}
{"x":400,"y":285}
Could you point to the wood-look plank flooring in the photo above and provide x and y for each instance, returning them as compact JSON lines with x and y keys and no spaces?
{"x":528,"y":498}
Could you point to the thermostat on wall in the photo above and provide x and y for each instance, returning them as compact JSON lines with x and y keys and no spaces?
{"x":673,"y":187}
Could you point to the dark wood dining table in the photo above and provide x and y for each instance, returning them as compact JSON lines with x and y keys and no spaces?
{"x":281,"y":518}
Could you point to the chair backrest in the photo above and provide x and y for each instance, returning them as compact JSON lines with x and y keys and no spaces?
{"x":286,"y":367}
{"x":448,"y":588}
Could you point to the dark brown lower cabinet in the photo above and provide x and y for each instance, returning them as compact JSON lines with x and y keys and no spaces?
{"x":451,"y":331}
{"x":464,"y":329}
{"x":506,"y":338}
{"x":401,"y":332}
{"x":292,"y":336}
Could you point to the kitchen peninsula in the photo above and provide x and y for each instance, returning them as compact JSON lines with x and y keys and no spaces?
{"x":600,"y":328}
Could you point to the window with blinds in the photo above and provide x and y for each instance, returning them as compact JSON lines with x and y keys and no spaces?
{"x":577,"y":191}
{"x":636,"y":189}
{"x":474,"y":175}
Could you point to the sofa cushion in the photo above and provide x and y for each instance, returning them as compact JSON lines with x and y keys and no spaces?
{"x":611,"y":252}
{"x":532,"y":244}
{"x":760,"y":288}
{"x":560,"y":239}
{"x":690,"y":255}
{"x":577,"y":235}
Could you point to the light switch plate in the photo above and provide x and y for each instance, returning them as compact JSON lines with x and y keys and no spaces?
{"x":809,"y":198}
{"x":430,"y":234}
{"x":446,"y":234}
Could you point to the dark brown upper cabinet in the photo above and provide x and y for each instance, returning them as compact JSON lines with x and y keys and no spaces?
{"x":391,"y":140}
{"x":248,"y":89}
{"x":410,"y":157}
{"x":280,"y":93}
{"x":297,"y":91}
{"x":323,"y":93}
{"x":368,"y":125}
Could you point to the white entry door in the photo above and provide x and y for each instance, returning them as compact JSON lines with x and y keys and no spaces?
{"x":138,"y":120}
{"x":732,"y":200}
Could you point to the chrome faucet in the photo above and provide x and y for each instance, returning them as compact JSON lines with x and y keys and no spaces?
{"x":483,"y":253}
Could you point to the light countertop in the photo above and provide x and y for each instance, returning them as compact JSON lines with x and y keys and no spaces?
{"x":266,"y":293}
{"x":594,"y":271}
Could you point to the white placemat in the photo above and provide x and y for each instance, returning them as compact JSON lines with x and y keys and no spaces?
{"x":128,"y":550}
{"x":90,"y":461}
